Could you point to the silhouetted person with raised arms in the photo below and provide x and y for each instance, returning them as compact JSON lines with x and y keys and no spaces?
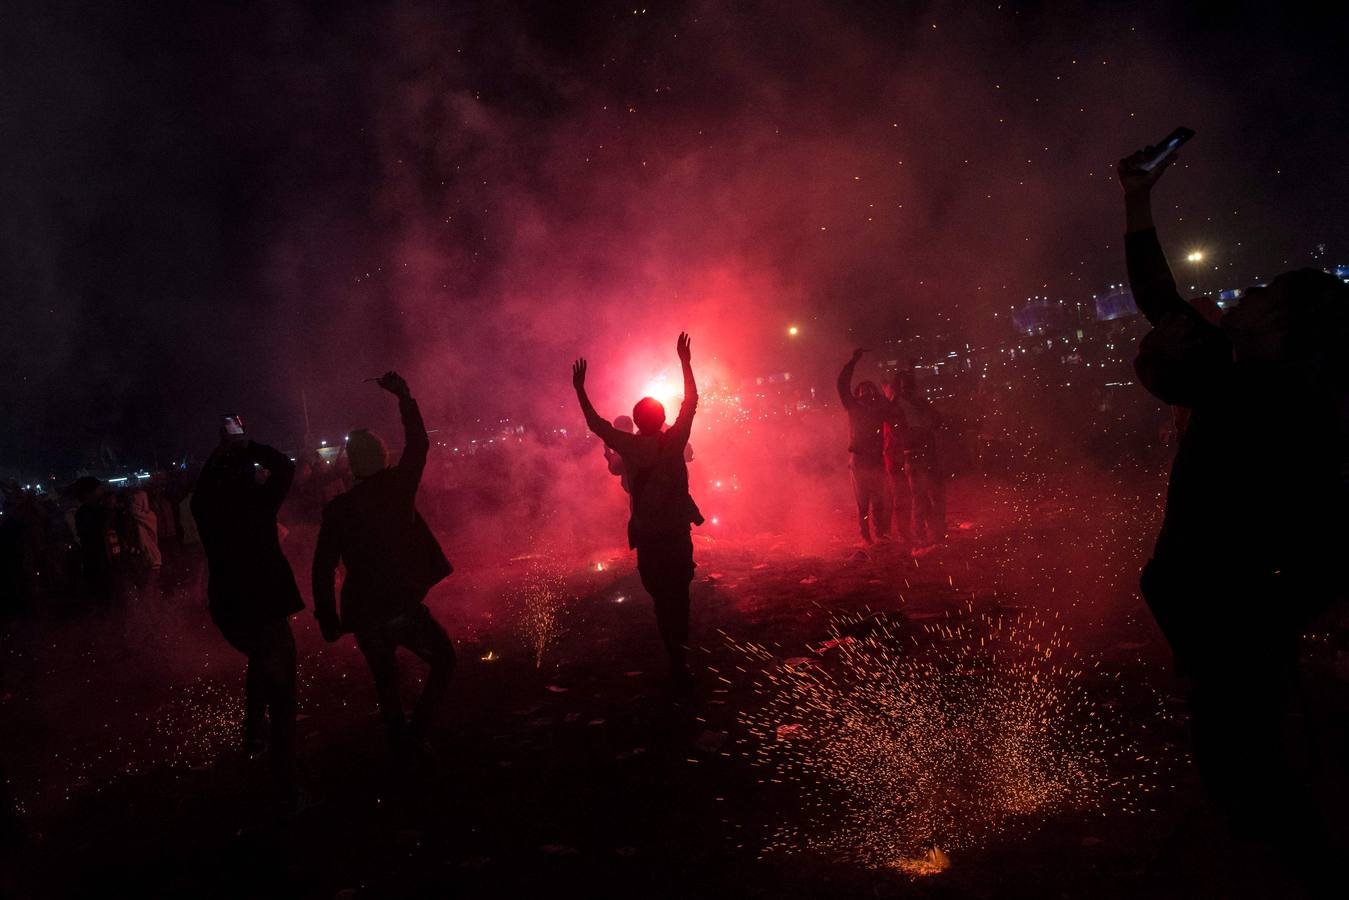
{"x":662,"y":510}
{"x":251,"y":589}
{"x":1253,"y":540}
{"x":392,"y":560}
{"x":868,"y":412}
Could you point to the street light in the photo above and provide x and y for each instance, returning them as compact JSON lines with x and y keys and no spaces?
{"x":793,"y":330}
{"x":1195,"y":256}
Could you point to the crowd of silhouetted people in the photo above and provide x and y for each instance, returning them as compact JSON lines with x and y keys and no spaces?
{"x":1250,"y":554}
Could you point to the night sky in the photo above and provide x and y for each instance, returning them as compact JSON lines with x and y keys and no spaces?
{"x":212,"y":207}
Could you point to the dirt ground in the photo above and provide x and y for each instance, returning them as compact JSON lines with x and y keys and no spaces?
{"x":579,"y":776}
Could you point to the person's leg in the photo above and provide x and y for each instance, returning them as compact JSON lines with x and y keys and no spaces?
{"x":275,"y":659}
{"x":255,"y":706}
{"x":246,"y":638}
{"x":900,"y":504}
{"x":938,"y":503}
{"x":666,"y":570}
{"x":424,"y":636}
{"x":379,"y":649}
{"x":918,"y":499}
{"x":881,"y":503}
{"x":859,"y":494}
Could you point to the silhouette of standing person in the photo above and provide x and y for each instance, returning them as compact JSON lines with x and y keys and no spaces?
{"x":868,"y":412}
{"x":896,"y":443}
{"x":922,"y":468}
{"x":251,"y":589}
{"x":662,"y":510}
{"x":1253,"y":537}
{"x":392,"y":560}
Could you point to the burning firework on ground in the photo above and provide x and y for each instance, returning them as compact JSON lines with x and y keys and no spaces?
{"x":907,"y":738}
{"x":542,"y":597}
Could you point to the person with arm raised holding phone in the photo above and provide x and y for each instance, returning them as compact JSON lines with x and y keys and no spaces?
{"x":251,"y":590}
{"x":1249,"y":548}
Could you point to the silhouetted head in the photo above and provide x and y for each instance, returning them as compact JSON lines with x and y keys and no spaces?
{"x":649,"y":415}
{"x":1301,"y":317}
{"x":624,"y":423}
{"x":87,"y":488}
{"x":867,"y":392}
{"x":366,"y":453}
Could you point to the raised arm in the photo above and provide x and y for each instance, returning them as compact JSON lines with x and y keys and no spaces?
{"x":605,"y":431}
{"x":845,"y":380}
{"x":683,"y":424}
{"x":416,"y":442}
{"x":1184,"y":355}
{"x":1150,"y":278}
{"x":280,"y":472}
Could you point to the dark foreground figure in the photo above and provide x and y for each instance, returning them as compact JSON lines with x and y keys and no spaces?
{"x":251,"y":589}
{"x":1253,"y":541}
{"x":662,"y":510}
{"x":392,"y":560}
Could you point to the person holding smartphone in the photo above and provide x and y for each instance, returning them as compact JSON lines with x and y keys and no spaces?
{"x":1254,"y":529}
{"x":251,"y":589}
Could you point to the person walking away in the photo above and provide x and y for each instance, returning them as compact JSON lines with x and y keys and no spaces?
{"x":392,"y":560}
{"x":662,"y":509}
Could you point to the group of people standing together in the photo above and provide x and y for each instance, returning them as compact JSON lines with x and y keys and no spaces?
{"x":892,"y":439}
{"x":391,"y":557}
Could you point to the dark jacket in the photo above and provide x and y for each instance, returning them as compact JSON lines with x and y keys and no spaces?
{"x":1254,"y":487}
{"x":656,"y":471}
{"x":866,"y":421}
{"x":392,"y":559}
{"x":250,"y":578}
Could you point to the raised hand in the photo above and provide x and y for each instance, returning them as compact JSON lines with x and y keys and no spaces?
{"x":682,"y":347}
{"x":394,"y":384}
{"x":578,"y":374}
{"x":1136,"y":180}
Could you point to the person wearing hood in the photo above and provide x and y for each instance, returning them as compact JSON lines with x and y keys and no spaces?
{"x":1252,"y":542}
{"x":251,"y":590}
{"x":392,"y":560}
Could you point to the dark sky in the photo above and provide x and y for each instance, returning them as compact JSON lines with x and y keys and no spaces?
{"x":213,"y":207}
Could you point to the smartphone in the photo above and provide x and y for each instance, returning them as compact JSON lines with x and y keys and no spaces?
{"x":233,"y":426}
{"x":1172,"y":142}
